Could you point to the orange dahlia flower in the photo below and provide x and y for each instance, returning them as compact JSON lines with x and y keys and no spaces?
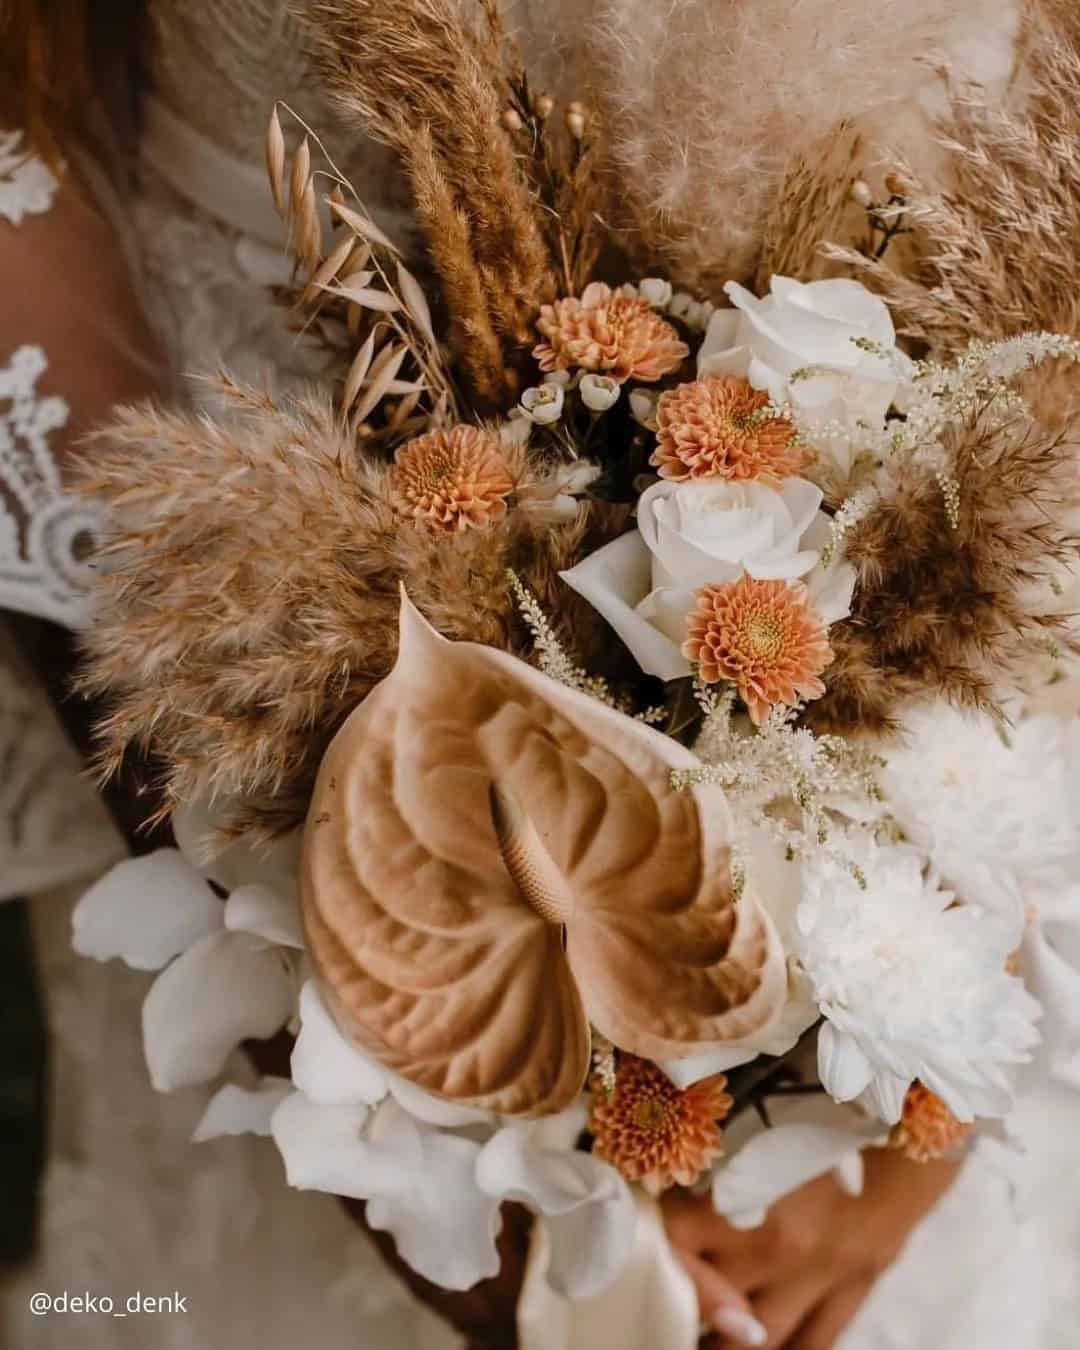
{"x":618,"y":335}
{"x":451,"y":480}
{"x":716,"y":428}
{"x":652,"y":1131}
{"x":761,"y":635}
{"x":927,"y":1129}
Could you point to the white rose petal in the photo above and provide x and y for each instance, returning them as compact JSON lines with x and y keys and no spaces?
{"x":236,"y":1110}
{"x":225,"y":989}
{"x":195,"y":827}
{"x":146,"y":911}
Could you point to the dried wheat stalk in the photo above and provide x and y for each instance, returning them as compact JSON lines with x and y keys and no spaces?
{"x":422,"y":81}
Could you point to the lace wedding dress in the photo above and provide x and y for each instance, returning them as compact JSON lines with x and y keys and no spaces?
{"x":131,"y":1204}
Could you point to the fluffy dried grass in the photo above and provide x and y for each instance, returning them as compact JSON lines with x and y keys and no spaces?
{"x":708,"y":103}
{"x":997,"y":252}
{"x":423,"y":80}
{"x":955,"y":611}
{"x":249,"y":593}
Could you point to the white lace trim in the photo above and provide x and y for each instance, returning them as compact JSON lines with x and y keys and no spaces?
{"x":27,"y":186}
{"x":46,"y":535}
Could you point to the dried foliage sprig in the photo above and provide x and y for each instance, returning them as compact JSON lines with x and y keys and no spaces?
{"x":237,"y":629}
{"x":424,"y":83}
{"x":360,"y":296}
{"x":955,"y":589}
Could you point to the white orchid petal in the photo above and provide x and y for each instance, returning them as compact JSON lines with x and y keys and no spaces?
{"x":588,"y":1206}
{"x":225,"y":989}
{"x":325,"y":1066}
{"x":444,"y":1225}
{"x":433,"y":1110}
{"x":196,"y":828}
{"x":237,"y":1110}
{"x":324,"y":1148}
{"x":267,"y":913}
{"x":146,"y":911}
{"x":778,"y":1161}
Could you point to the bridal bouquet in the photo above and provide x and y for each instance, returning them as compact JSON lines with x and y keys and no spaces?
{"x":599,"y":724}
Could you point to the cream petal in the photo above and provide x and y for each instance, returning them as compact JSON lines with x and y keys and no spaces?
{"x":666,"y":608}
{"x":434,"y":1110}
{"x":325,"y":1148}
{"x":267,"y":913}
{"x":196,"y":829}
{"x":589,"y":1208}
{"x":778,"y":1161}
{"x":884,"y":1097}
{"x":237,"y":1110}
{"x":443,"y":1224}
{"x":146,"y":911}
{"x":802,"y":499}
{"x":730,"y":361}
{"x":325,"y":1066}
{"x":830,"y":590}
{"x":843,"y":1068}
{"x":225,"y":989}
{"x":614,"y":580}
{"x":720,"y":337}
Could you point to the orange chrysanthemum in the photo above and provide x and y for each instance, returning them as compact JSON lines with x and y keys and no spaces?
{"x":652,"y":1131}
{"x":620,"y":335}
{"x":927,"y":1129}
{"x":451,"y":480}
{"x":716,"y":428}
{"x":761,"y":635}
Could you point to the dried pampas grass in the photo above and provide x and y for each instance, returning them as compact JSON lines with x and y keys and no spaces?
{"x":709,"y":100}
{"x":997,"y":251}
{"x":960,"y":610}
{"x":249,"y":593}
{"x":425,"y":81}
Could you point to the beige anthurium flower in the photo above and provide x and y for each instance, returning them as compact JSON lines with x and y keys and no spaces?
{"x":492,"y":861}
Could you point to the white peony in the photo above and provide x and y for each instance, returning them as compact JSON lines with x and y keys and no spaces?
{"x":911,"y":986}
{"x":835,"y":337}
{"x":706,"y":531}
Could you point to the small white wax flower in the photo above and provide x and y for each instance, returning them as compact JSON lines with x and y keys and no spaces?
{"x":543,"y":404}
{"x":681,"y":304}
{"x":656,"y":291}
{"x":599,"y":392}
{"x":643,"y":407}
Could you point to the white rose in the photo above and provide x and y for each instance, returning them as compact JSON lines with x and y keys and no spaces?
{"x":691,"y":534}
{"x":814,"y":327}
{"x":599,"y":392}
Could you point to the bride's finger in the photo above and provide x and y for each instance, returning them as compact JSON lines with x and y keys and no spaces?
{"x":823,"y":1329}
{"x":785,"y":1308}
{"x":721,"y":1306}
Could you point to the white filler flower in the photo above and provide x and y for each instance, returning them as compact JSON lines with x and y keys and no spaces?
{"x":911,"y":986}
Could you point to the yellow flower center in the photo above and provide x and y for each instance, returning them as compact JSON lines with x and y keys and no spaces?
{"x":765,"y":635}
{"x":650,"y":1113}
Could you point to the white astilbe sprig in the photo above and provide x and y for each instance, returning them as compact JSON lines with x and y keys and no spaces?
{"x":782,"y":778}
{"x":555,"y":662}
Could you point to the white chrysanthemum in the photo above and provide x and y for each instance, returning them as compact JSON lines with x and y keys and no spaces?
{"x":911,"y":986}
{"x":995,"y":814}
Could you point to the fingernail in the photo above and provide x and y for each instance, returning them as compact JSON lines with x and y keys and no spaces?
{"x":740,"y":1326}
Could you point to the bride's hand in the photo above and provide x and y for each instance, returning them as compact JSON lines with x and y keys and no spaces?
{"x":798,"y":1280}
